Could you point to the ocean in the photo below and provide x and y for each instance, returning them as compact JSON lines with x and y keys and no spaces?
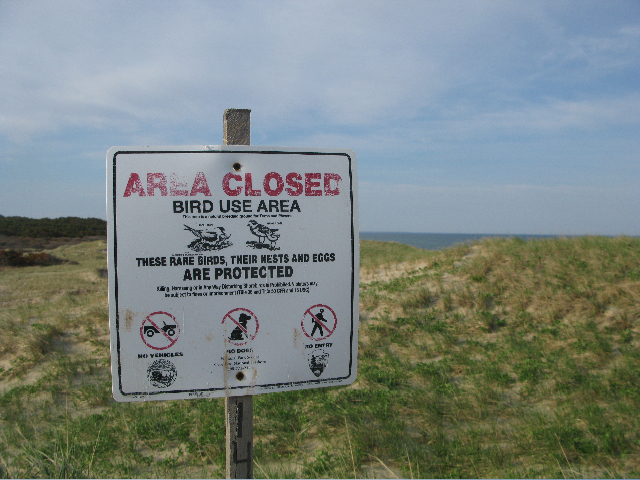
{"x":437,"y":241}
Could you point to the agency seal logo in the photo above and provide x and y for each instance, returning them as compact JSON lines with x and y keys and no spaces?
{"x":162,"y":373}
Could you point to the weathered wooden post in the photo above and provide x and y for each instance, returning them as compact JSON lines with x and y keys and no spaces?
{"x":238,"y":410}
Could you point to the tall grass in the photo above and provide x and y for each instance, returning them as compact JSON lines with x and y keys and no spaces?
{"x":375,"y":255}
{"x":502,"y":359}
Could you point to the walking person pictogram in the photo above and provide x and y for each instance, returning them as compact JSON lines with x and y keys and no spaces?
{"x":319,"y":322}
{"x":316,"y":319}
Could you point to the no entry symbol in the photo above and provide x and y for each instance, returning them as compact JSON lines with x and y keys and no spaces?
{"x":244,"y":324}
{"x":160,"y":330}
{"x":319,"y":322}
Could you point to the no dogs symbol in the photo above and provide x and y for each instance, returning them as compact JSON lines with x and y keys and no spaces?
{"x":319,"y":322}
{"x":160,"y":330}
{"x":242,"y":326}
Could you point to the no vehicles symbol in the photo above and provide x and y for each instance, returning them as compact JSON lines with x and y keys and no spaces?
{"x":244,"y":324}
{"x":319,"y":322}
{"x":160,"y":330}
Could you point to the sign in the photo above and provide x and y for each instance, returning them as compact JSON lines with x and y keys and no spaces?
{"x":159,"y":336}
{"x":233,"y":270}
{"x":244,"y":324}
{"x":315,"y":320}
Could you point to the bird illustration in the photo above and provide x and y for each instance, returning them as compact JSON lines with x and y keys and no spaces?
{"x":214,"y":239}
{"x":262,"y":231}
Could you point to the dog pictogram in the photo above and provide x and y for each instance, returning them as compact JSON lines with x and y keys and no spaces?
{"x":243,"y":324}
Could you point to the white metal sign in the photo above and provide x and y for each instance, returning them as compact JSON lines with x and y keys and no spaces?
{"x":232,"y":270}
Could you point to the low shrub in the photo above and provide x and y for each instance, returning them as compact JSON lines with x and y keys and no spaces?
{"x":15,"y":258}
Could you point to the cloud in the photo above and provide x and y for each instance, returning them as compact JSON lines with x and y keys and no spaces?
{"x":492,"y":208}
{"x":435,"y":94}
{"x":346,"y":63}
{"x":337,"y":63}
{"x":598,"y":52}
{"x":555,"y":115}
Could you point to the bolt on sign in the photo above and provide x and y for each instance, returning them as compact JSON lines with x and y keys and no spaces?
{"x":233,"y":270}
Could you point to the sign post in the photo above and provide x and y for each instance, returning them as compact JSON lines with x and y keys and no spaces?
{"x":238,"y":411}
{"x":233,"y":271}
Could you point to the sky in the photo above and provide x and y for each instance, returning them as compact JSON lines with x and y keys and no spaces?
{"x":509,"y":117}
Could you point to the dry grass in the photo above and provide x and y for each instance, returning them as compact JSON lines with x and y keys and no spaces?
{"x":40,"y":306}
{"x":520,"y":337}
{"x":502,"y":359}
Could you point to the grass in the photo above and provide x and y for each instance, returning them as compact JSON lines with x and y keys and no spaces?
{"x":500,"y":359}
{"x":374,"y":254}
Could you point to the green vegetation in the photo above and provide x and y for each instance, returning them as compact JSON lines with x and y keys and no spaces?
{"x":52,"y":227}
{"x":375,"y":255}
{"x":502,"y":359}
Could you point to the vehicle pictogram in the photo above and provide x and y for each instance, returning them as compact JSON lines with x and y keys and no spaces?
{"x":160,"y":330}
{"x":319,"y":322}
{"x":243,"y":324}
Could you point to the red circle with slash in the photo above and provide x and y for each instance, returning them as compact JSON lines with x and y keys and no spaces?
{"x":319,"y":317}
{"x":160,"y":330}
{"x":244,"y":329}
